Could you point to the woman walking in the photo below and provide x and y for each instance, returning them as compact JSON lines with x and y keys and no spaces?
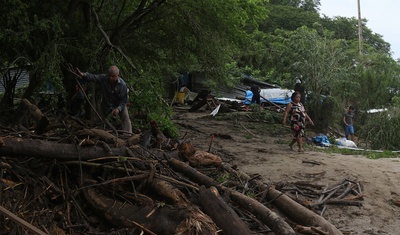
{"x":298,"y":116}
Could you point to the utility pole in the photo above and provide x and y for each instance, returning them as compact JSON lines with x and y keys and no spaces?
{"x":360,"y":38}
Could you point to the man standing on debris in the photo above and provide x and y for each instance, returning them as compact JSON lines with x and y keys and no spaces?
{"x":348,"y":120}
{"x":114,"y":95}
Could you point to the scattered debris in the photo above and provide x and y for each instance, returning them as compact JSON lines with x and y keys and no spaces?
{"x":114,"y":185}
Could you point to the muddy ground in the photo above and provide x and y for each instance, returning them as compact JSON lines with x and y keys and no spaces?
{"x":260,"y":147}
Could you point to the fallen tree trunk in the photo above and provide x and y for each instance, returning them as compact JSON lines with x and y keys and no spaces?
{"x":52,"y":150}
{"x":41,"y":120}
{"x":192,"y":173}
{"x":167,"y":190}
{"x":270,"y":218}
{"x":21,"y":222}
{"x":103,"y":135}
{"x":299,"y":213}
{"x":198,"y":157}
{"x":221,"y":213}
{"x":151,"y":218}
{"x":264,"y":214}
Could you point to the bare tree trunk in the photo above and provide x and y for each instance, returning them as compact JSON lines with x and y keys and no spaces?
{"x":290,"y":207}
{"x":270,"y":218}
{"x":152,"y":219}
{"x":299,"y":213}
{"x":51,"y":150}
{"x":264,"y":213}
{"x":221,"y":213}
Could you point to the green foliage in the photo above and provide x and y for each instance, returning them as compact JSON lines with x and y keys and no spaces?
{"x":324,"y":110}
{"x":146,"y":98}
{"x":378,"y":76}
{"x":277,"y":40}
{"x":288,"y":18}
{"x":223,"y":177}
{"x":381,"y":129}
{"x":332,"y":139}
{"x":347,"y":29}
{"x":321,"y":63}
{"x":165,"y":124}
{"x":383,"y":154}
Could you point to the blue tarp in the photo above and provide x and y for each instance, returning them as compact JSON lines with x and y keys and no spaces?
{"x":321,"y":140}
{"x":282,"y":101}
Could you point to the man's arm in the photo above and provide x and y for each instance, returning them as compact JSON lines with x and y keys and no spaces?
{"x":344,"y":120}
{"x":124,"y":97}
{"x":87,"y":76}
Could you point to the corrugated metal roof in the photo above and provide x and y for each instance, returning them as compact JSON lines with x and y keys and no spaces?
{"x":20,"y":74}
{"x":231,"y":93}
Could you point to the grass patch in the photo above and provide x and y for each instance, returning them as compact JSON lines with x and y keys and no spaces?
{"x":384,"y":154}
{"x":371,"y":154}
{"x":223,"y":177}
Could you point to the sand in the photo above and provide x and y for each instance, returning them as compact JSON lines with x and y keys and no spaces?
{"x":261,"y":148}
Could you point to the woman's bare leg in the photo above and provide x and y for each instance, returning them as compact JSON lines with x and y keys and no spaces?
{"x":300,"y":143}
{"x":292,"y":143}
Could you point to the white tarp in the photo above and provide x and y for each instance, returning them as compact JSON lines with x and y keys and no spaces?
{"x":273,"y":93}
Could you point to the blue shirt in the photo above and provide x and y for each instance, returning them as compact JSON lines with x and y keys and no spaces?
{"x":112,"y":98}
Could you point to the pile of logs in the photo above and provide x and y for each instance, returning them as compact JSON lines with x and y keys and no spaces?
{"x":78,"y":180}
{"x":317,"y":197}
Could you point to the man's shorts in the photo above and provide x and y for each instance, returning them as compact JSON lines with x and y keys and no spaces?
{"x":349,"y":130}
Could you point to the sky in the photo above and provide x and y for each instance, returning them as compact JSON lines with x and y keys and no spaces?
{"x":383,"y":17}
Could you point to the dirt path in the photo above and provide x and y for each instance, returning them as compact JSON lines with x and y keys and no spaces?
{"x":260,"y":149}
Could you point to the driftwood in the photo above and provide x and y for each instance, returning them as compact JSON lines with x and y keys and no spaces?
{"x":270,"y":218}
{"x":51,"y":150}
{"x":170,"y":219}
{"x":170,"y":192}
{"x":161,"y":139}
{"x":21,"y":222}
{"x":337,"y":194}
{"x":153,"y":219}
{"x":299,"y":213}
{"x":139,"y":191}
{"x":41,"y":120}
{"x":208,"y":182}
{"x":192,"y":173}
{"x":198,"y":157}
{"x":102,"y":135}
{"x":310,"y":230}
{"x":221,"y":213}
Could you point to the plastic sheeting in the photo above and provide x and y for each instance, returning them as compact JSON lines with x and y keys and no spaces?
{"x":275,"y":95}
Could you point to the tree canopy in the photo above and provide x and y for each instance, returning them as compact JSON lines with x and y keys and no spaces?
{"x":153,"y":41}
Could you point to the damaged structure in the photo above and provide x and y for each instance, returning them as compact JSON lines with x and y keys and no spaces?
{"x":197,"y":95}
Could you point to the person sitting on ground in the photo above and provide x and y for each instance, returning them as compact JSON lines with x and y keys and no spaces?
{"x":114,"y":93}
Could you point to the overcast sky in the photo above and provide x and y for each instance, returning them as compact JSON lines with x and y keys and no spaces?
{"x":383,"y":17}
